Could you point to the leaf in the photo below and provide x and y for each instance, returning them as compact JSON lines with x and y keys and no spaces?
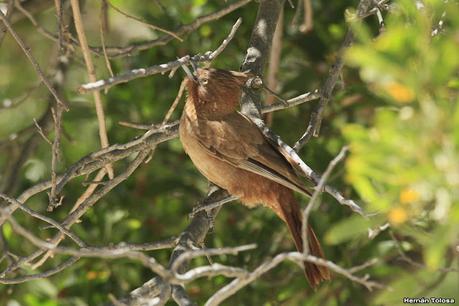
{"x":347,"y":229}
{"x":35,"y":170}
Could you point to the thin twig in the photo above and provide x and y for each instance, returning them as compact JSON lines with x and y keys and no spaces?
{"x":181,"y":31}
{"x":137,"y":126}
{"x":60,"y":24}
{"x":257,"y":53}
{"x":190,"y":254}
{"x":151,"y":138}
{"x":212,"y":205}
{"x":34,"y":22}
{"x":226,"y":41}
{"x":9,"y":11}
{"x":237,"y":284}
{"x":14,"y":102}
{"x":26,"y":278}
{"x":274,"y":63}
{"x":211,"y":271}
{"x":162,"y":68}
{"x":308,"y":23}
{"x":77,"y":213}
{"x":103,"y":30}
{"x":154,"y":27}
{"x":174,"y":104}
{"x":92,"y":78}
{"x":318,"y":190}
{"x":363,"y":266}
{"x":329,"y":85}
{"x":41,"y":133}
{"x":85,"y":195}
{"x":101,"y":253}
{"x":412,"y":262}
{"x":32,"y":60}
{"x":57,"y":115}
{"x":39,"y":216}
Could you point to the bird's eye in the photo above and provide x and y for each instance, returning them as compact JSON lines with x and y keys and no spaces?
{"x":204,"y":81}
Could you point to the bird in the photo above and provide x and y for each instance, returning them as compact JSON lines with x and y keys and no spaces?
{"x":230,"y":150}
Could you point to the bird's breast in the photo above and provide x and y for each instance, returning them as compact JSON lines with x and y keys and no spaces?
{"x":250,"y":188}
{"x":215,"y":170}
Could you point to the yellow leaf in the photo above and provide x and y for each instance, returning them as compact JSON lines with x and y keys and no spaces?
{"x":408,"y":196}
{"x":399,"y":92}
{"x":397,"y":215}
{"x":91,"y":275}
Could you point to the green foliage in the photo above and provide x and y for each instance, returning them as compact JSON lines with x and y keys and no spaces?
{"x":405,"y":164}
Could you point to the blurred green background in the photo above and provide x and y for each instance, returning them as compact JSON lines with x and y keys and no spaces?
{"x":396,"y":106}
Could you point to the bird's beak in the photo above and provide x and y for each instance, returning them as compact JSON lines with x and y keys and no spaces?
{"x":189,"y":74}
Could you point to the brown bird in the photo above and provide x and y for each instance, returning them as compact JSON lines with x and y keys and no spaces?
{"x":231,"y":152}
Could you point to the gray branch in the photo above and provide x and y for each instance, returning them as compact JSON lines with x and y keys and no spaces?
{"x":258,"y":52}
{"x":161,"y":68}
{"x":315,"y":119}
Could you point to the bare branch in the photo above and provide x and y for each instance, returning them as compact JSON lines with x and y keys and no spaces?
{"x":33,"y":61}
{"x":161,"y":68}
{"x":318,"y":190}
{"x":60,"y":24}
{"x":77,"y":213}
{"x":226,"y":41}
{"x":103,"y":24}
{"x":212,"y":271}
{"x":152,"y":26}
{"x":33,"y":7}
{"x":9,"y":11}
{"x":305,"y":169}
{"x":274,"y":63}
{"x":57,"y":115}
{"x":258,"y":52}
{"x":308,"y":23}
{"x":188,"y":255}
{"x":174,"y":104}
{"x":39,"y":216}
{"x":240,"y":282}
{"x":151,"y":138}
{"x":193,"y":235}
{"x":41,"y":133}
{"x":92,"y":78}
{"x":26,"y":278}
{"x":181,"y":32}
{"x":333,"y":76}
{"x":142,"y":258}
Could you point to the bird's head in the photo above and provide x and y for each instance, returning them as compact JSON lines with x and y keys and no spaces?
{"x":216,"y":91}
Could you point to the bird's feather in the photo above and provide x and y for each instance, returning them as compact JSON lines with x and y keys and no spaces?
{"x":235,"y":139}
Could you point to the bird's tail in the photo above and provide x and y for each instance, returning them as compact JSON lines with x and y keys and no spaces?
{"x":292,"y":216}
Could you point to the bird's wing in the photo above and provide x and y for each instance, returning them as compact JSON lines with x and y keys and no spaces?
{"x":235,"y":139}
